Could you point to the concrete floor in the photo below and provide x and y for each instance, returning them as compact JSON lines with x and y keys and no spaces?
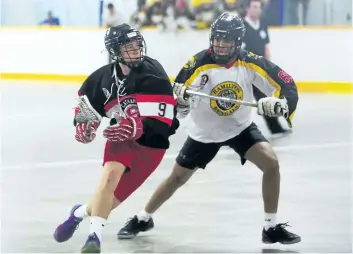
{"x":45,"y":171}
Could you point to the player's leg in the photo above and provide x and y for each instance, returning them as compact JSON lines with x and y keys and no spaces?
{"x":116,"y":158}
{"x":83,"y":211}
{"x":143,"y":221}
{"x":264,"y":157}
{"x":166,"y":189}
{"x":143,"y":163}
{"x":252,"y":146}
{"x":192,"y":156}
{"x":101,"y":204}
{"x":98,"y":209}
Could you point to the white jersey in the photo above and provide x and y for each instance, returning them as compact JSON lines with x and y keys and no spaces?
{"x":216,"y":121}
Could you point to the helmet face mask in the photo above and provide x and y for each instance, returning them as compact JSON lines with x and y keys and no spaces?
{"x":223,"y":49}
{"x":132,"y":53}
{"x":226,"y":38}
{"x":126,"y":45}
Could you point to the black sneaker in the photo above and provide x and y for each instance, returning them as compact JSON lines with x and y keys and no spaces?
{"x":279,"y":234}
{"x":133,"y":227}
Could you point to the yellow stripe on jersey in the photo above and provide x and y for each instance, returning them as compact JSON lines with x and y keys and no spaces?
{"x":252,"y":66}
{"x":198,"y":70}
{"x":265,"y":75}
{"x":273,"y":83}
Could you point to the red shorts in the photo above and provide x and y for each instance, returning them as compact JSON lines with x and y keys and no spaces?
{"x":142,"y":162}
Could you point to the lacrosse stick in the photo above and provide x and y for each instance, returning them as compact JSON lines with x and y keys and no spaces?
{"x":87,"y":114}
{"x":278,"y":108}
{"x":218,"y":98}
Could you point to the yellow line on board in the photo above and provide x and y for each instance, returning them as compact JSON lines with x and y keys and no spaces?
{"x":303,"y":86}
{"x":325,"y":87}
{"x":43,"y":77}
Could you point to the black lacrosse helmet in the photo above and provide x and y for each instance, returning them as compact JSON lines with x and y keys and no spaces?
{"x":227,"y":28}
{"x":117,"y":36}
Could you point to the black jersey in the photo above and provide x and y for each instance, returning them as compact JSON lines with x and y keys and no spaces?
{"x":256,"y":38}
{"x":146,"y":92}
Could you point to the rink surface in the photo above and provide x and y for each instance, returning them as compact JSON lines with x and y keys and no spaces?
{"x":45,"y":171}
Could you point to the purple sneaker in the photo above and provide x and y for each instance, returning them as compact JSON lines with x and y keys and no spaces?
{"x":92,"y":245}
{"x":65,"y":231}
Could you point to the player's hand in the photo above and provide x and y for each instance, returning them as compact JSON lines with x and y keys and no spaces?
{"x":183,"y":108}
{"x":129,"y":128}
{"x":272,"y":107}
{"x":180,"y":91}
{"x":86,"y":132}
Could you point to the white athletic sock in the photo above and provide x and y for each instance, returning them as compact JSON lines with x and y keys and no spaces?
{"x":143,"y":215}
{"x":270,"y":220}
{"x":81,"y":212}
{"x":97,"y":224}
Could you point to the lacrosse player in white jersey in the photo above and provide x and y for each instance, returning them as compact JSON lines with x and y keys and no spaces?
{"x":225,"y":70}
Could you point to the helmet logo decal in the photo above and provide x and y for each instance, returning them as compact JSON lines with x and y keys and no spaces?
{"x":132,"y":34}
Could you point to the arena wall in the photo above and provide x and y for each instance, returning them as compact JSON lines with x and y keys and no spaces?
{"x":320,"y":60}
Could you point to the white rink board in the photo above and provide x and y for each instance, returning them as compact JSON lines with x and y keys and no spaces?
{"x":307,"y":54}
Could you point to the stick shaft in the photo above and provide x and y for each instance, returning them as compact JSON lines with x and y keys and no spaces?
{"x":245,"y":103}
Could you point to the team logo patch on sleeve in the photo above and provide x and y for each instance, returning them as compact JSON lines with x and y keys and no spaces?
{"x":128,"y":106}
{"x":254,"y":56}
{"x":191,"y":63}
{"x":227,"y":89}
{"x":285,"y":77}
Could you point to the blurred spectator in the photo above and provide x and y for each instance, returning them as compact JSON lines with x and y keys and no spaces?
{"x":51,"y":20}
{"x":111,"y":17}
{"x":150,"y":13}
{"x":257,"y":41}
{"x":155,"y":14}
{"x":205,"y":11}
{"x":179,"y":14}
{"x":228,"y":6}
{"x":256,"y":37}
{"x":141,"y":5}
{"x":242,"y":5}
{"x":181,"y":7}
{"x":138,"y":18}
{"x":182,"y":13}
{"x":295,"y":12}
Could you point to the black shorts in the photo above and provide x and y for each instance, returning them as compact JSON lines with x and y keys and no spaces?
{"x":195,"y":154}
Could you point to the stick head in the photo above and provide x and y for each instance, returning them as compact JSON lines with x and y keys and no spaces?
{"x":86,"y":113}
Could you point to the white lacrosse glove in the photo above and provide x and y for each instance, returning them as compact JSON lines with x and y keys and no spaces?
{"x":183,"y":102}
{"x":180,"y":92}
{"x":272,"y":107}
